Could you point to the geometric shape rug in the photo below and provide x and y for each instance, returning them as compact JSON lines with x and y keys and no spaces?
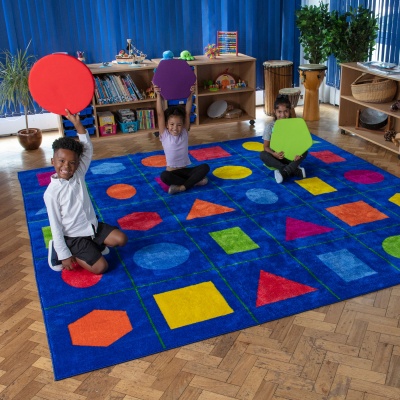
{"x":238,"y":252}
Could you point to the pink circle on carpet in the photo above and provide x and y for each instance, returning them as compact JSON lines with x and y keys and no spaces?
{"x":364,"y":176}
{"x":80,"y":277}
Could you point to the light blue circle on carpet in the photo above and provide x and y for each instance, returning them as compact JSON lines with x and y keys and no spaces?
{"x":161,"y":256}
{"x":262,"y":196}
{"x":108,"y":168}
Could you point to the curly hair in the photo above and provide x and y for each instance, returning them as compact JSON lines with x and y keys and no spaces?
{"x":178,"y":111}
{"x":68,"y":143}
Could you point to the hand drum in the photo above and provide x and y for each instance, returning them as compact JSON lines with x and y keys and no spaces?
{"x":291,"y":135}
{"x":59,"y":81}
{"x":175,"y":78}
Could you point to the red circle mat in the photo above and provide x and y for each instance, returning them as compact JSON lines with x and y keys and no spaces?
{"x":59,"y":81}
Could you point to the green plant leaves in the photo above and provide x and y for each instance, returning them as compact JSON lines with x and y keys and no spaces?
{"x":349,"y":36}
{"x":14,"y":74}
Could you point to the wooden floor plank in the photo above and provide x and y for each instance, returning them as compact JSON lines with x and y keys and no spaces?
{"x":349,"y":350}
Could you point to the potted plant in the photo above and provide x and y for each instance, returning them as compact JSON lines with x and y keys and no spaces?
{"x":314,"y":23}
{"x":14,"y":91}
{"x":354,"y":34}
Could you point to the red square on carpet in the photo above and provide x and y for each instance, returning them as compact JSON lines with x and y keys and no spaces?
{"x":209,"y":153}
{"x":327,"y":156}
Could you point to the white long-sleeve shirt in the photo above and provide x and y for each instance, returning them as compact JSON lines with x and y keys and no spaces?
{"x":68,"y":204}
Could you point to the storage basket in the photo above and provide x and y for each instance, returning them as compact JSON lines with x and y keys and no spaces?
{"x":373,"y":89}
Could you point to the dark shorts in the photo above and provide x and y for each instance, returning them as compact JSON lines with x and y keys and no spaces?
{"x":87,"y":249}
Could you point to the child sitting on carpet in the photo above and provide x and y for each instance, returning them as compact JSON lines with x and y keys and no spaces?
{"x":77,"y":235}
{"x":174,"y":125}
{"x":284,"y":167}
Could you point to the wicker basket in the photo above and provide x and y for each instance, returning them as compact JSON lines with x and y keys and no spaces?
{"x":373,"y":89}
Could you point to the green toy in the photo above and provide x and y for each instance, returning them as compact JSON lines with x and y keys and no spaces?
{"x":185,"y":55}
{"x":291,"y":135}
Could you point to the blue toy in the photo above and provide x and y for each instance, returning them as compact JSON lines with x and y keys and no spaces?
{"x":167,"y":55}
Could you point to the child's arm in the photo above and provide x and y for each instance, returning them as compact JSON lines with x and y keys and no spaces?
{"x":268,"y":149}
{"x":84,"y":138}
{"x":160,"y":110}
{"x":188,"y":108}
{"x":53,"y":211}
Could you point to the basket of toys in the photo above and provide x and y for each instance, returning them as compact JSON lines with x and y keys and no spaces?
{"x":373,"y":89}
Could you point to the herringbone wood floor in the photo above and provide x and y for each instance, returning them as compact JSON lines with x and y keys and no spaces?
{"x":349,"y":350}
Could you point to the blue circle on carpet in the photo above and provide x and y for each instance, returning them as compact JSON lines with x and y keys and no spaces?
{"x":161,"y":256}
{"x":262,"y":196}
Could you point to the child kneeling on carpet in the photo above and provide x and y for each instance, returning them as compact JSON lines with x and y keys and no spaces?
{"x":284,"y":167}
{"x":78,"y":237}
{"x":174,"y":125}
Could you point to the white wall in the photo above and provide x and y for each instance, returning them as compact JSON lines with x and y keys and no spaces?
{"x":10,"y":126}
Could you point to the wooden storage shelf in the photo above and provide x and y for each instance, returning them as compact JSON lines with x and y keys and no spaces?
{"x":142,"y":75}
{"x":349,"y":106}
{"x":241,"y":67}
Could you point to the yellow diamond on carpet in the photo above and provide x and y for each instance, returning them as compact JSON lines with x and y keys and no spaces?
{"x":253,"y":146}
{"x":395,"y":199}
{"x":316,"y":186}
{"x":192,"y":304}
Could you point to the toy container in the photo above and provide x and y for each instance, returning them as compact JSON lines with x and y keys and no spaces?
{"x":106,"y":118}
{"x":107,"y":130}
{"x":73,"y":133}
{"x":128,"y":127}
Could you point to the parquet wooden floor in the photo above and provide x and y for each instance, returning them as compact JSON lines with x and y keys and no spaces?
{"x":349,"y":350}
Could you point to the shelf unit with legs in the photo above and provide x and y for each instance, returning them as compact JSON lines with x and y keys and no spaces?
{"x":350,"y":107}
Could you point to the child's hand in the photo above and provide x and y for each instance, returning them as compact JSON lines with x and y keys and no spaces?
{"x":157,"y":90}
{"x":68,"y":263}
{"x":74,"y":118}
{"x":192,"y":89}
{"x":279,"y":155}
{"x":76,"y":121}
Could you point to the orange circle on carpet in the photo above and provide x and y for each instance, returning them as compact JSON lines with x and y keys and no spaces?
{"x":155,"y":161}
{"x":121,"y":191}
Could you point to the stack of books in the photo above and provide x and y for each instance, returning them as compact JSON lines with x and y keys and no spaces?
{"x":145,"y":117}
{"x":112,"y":88}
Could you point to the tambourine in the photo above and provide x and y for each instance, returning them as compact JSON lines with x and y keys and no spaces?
{"x":218,"y":109}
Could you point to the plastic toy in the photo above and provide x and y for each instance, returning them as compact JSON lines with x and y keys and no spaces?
{"x":185,"y":55}
{"x":211,"y":51}
{"x":167,"y":55}
{"x":81,"y":55}
{"x":150,"y":93}
{"x":132,"y":56}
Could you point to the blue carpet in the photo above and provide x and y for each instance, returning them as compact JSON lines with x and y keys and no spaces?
{"x":238,"y":252}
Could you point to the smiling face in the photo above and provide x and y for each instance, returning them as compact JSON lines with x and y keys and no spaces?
{"x":282,"y":111}
{"x":175,"y":125}
{"x":65,"y":163}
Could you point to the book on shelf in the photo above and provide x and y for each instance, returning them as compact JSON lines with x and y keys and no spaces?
{"x":112,"y":88}
{"x":145,"y":117}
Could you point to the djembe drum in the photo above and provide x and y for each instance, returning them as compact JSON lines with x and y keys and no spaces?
{"x":311,"y":76}
{"x":293,"y":94}
{"x":278,"y":74}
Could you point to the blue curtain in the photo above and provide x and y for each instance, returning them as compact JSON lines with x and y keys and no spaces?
{"x":266,"y":29}
{"x":388,"y":40}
